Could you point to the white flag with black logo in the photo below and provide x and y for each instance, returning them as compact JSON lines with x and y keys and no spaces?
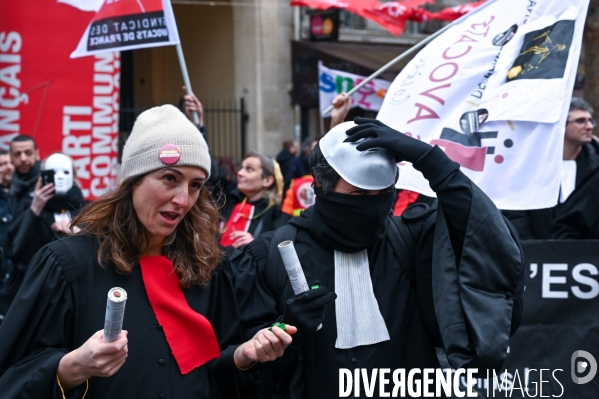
{"x":493,"y":91}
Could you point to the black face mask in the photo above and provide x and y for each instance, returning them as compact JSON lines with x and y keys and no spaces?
{"x":350,"y":223}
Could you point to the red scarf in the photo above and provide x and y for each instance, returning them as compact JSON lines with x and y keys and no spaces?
{"x":240,"y":220}
{"x":189,"y":334}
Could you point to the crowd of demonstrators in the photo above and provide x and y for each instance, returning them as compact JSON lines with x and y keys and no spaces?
{"x":196,"y":251}
{"x":156,"y":237}
{"x":575,"y":215}
{"x":254,"y":206}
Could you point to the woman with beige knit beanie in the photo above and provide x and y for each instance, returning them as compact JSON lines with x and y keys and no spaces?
{"x":154,"y":237}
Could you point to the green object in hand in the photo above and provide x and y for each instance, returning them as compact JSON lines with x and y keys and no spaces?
{"x":280,"y":325}
{"x":315,"y":286}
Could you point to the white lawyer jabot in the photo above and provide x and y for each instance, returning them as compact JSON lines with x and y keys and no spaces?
{"x":359,"y":319}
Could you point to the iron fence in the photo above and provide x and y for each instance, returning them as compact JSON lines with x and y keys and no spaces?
{"x":225,"y":122}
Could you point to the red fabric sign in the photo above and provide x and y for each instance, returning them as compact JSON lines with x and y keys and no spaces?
{"x":355,"y":6}
{"x":392,"y":15}
{"x":240,"y":220}
{"x":453,"y":13}
{"x":67,"y":105}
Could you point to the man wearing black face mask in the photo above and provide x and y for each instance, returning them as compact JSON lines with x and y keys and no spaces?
{"x":450,"y":276}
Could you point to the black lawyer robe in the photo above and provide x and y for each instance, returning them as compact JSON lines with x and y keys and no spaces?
{"x":270,"y":220}
{"x":61,"y":305}
{"x":464,"y":295}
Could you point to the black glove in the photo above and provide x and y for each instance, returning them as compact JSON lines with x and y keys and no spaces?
{"x":306,"y":311}
{"x":403,"y":147}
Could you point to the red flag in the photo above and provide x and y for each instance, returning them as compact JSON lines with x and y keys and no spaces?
{"x":355,"y":6}
{"x":393,"y":15}
{"x":453,"y":13}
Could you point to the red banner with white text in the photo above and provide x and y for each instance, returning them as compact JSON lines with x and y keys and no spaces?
{"x":67,"y":105}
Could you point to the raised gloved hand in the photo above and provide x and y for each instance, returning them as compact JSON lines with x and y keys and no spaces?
{"x":403,"y":147}
{"x":306,"y":311}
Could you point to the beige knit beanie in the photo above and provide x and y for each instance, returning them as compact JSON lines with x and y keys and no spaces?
{"x":163,"y":136}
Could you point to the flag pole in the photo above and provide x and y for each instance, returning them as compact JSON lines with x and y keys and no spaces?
{"x":196,"y":119}
{"x":394,"y":61}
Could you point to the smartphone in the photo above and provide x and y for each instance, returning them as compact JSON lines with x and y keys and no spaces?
{"x":47,"y":177}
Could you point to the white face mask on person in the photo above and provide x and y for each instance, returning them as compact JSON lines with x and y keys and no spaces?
{"x":63,"y":172}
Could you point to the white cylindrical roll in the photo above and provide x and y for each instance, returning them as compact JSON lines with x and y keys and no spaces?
{"x":115,"y":313}
{"x":293,"y":267}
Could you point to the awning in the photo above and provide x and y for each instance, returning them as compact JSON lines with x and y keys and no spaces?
{"x":358,"y":58}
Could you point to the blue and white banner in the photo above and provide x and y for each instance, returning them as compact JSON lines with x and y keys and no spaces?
{"x":331,"y":83}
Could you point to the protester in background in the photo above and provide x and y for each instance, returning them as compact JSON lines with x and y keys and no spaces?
{"x":304,"y":157}
{"x":385,"y":269}
{"x":578,"y":218}
{"x":580,"y":162}
{"x":299,"y":196}
{"x":49,"y":215}
{"x":290,"y":167}
{"x":154,"y":236}
{"x":6,"y":170}
{"x":404,"y":198}
{"x":254,"y":207}
{"x":341,"y":107}
{"x":25,"y":157}
{"x":47,"y":219}
{"x":6,"y":206}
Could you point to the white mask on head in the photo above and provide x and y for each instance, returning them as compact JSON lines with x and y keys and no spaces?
{"x":63,"y":172}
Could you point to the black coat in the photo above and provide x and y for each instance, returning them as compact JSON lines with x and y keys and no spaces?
{"x":542,"y":224}
{"x":62,"y":303}
{"x":22,"y":187}
{"x":290,"y":167}
{"x":29,"y":233}
{"x":578,"y":216}
{"x":6,"y":216}
{"x":465,"y":293}
{"x":269,"y":221}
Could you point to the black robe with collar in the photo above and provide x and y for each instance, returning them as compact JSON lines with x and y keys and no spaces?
{"x":271,"y":220}
{"x":62,"y":303}
{"x":465,"y":294}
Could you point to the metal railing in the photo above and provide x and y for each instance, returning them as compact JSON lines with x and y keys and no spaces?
{"x":225,"y":122}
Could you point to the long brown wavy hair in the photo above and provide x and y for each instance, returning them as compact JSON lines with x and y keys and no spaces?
{"x":193,"y":246}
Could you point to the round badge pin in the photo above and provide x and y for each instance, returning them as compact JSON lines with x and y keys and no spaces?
{"x":169,"y":154}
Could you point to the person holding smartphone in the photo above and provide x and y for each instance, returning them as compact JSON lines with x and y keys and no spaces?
{"x":56,"y":198}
